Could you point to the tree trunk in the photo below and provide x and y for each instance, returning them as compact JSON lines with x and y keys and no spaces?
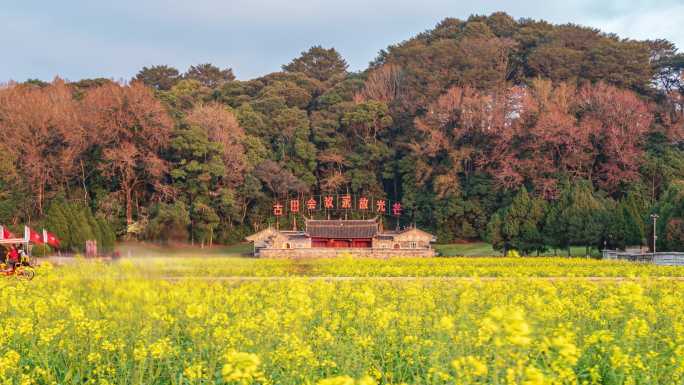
{"x":129,"y":205}
{"x":40,"y":199}
{"x":83,"y":182}
{"x":244,"y":212}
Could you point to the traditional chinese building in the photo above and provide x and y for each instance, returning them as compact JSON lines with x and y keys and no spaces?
{"x":329,"y":238}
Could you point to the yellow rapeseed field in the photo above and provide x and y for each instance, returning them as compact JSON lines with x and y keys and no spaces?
{"x":126,"y":324}
{"x":399,"y":267}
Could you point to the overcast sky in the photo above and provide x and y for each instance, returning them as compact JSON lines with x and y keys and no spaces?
{"x":89,"y":38}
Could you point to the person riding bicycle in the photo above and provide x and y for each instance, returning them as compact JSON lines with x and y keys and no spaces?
{"x":24,"y":258}
{"x":12,"y":258}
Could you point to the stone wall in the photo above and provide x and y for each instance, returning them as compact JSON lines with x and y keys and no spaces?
{"x":356,"y":252}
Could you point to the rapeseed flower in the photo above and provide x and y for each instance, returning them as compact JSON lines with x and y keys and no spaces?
{"x":123,"y":324}
{"x":242,"y":368}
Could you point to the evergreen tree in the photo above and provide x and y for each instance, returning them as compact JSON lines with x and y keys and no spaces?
{"x":634,"y":216}
{"x":496,"y":235}
{"x":204,"y":222}
{"x":160,"y":77}
{"x":209,"y":75}
{"x":517,"y":227}
{"x":57,"y":222}
{"x":616,"y":231}
{"x":318,"y":63}
{"x":670,"y":209}
{"x":108,"y":240}
{"x":576,"y":219}
{"x":169,"y":222}
{"x":94,"y":227}
{"x":198,"y":169}
{"x":555,"y":225}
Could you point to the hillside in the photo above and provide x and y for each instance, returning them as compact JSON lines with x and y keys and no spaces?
{"x":525,"y":133}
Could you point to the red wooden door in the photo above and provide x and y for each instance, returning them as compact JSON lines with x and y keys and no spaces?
{"x":366,"y":243}
{"x":341,"y":243}
{"x":319,"y":242}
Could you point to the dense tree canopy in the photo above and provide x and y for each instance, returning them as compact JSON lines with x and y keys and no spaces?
{"x":529,"y":134}
{"x":319,"y":63}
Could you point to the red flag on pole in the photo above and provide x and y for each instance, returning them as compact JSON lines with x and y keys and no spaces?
{"x":50,"y":239}
{"x":5,"y":234}
{"x":32,"y":236}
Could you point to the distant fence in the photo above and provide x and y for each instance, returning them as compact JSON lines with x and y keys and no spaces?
{"x":663,"y":259}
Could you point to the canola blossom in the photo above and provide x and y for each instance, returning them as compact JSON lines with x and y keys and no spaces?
{"x":112,"y":324}
{"x":347,"y":265}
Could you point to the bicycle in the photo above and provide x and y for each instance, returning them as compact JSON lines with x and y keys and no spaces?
{"x":22,"y":272}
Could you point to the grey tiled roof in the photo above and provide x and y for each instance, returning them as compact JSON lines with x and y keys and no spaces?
{"x":343,"y":229}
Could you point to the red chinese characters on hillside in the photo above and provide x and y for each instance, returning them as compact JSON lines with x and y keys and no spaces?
{"x":381,"y":206}
{"x":396,"y":209}
{"x":277,"y":209}
{"x":346,"y":201}
{"x":337,"y":202}
{"x":294,"y":206}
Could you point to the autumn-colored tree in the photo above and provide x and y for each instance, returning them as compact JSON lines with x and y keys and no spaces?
{"x":384,"y":84}
{"x":333,"y":164}
{"x":595,"y":133}
{"x":222,"y":127}
{"x":543,"y":143}
{"x":278,"y":180}
{"x":458,"y":122}
{"x":132,"y":129}
{"x":44,"y":136}
{"x":618,"y":121}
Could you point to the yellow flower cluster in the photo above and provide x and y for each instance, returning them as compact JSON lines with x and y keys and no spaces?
{"x":397,"y":267}
{"x":242,"y":368}
{"x":112,"y":324}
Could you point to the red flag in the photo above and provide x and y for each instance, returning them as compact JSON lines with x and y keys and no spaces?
{"x":5,"y":234}
{"x":50,"y":239}
{"x":33,"y":236}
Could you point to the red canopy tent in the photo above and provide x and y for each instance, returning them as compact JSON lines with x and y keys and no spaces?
{"x":7,"y":239}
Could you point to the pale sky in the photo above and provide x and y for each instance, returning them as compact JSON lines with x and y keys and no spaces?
{"x":78,"y":39}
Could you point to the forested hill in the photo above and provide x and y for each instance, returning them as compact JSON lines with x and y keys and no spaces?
{"x":521,"y":132}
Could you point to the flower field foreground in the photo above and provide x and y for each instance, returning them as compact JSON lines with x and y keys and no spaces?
{"x":397,"y":267}
{"x":100,"y":325}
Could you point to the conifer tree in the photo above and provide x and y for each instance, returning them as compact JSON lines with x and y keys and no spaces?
{"x":670,"y":208}
{"x":94,"y":226}
{"x":576,"y":219}
{"x":57,"y":222}
{"x":169,"y":222}
{"x":80,"y":229}
{"x":108,"y":239}
{"x":518,"y":225}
